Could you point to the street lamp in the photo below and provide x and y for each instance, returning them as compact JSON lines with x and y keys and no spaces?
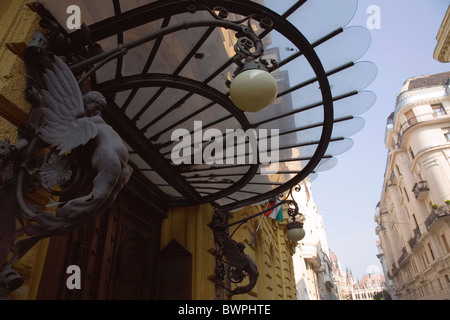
{"x":233,"y":264}
{"x":254,"y":88}
{"x":295,"y":231}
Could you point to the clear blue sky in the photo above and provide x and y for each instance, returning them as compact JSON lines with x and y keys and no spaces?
{"x":346,"y":195}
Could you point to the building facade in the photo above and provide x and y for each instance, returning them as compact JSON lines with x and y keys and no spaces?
{"x":368,"y":287}
{"x":312,"y":263}
{"x":413,"y":215}
{"x":155,"y":239}
{"x":123,"y":254}
{"x":442,"y":50}
{"x":389,"y":284}
{"x":343,"y":280}
{"x":347,"y":288}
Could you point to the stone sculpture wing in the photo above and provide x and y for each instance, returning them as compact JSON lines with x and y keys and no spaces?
{"x":65,"y":126}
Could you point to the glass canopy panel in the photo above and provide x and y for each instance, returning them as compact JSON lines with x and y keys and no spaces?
{"x":126,"y":5}
{"x":330,"y":14}
{"x":154,"y":178}
{"x":208,"y":171}
{"x":137,"y":59}
{"x":354,"y":105}
{"x":326,"y":164}
{"x":341,"y":129}
{"x":93,"y":11}
{"x":348,"y":46}
{"x":301,"y":152}
{"x":188,"y":61}
{"x":135,"y":100}
{"x":344,"y":47}
{"x":171,"y":192}
{"x":154,"y":109}
{"x":215,"y":178}
{"x":351,"y":79}
{"x":196,"y":132}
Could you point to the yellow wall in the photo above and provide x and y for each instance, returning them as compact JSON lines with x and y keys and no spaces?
{"x":189,"y":226}
{"x":272,"y":251}
{"x":17,"y":25}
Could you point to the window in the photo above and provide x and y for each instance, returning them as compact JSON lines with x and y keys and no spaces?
{"x":411,"y":118}
{"x":440,"y":284}
{"x":414,"y":266}
{"x":412,"y":153}
{"x":421,"y":292}
{"x":406,"y":193}
{"x":438,"y":110}
{"x":445,"y":243}
{"x":398,"y":169}
{"x":425,"y":260}
{"x":431,"y":251}
{"x":415,"y":221}
{"x":446,"y":133}
{"x":408,"y":274}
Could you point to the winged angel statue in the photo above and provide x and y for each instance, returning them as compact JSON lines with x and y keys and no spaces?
{"x":68,"y":120}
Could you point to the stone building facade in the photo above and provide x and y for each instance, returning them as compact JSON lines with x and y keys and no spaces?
{"x":413,"y":216}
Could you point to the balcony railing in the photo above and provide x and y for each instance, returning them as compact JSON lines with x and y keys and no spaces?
{"x":415,"y":239}
{"x":421,"y":190}
{"x":394,"y":268}
{"x":435,"y":214}
{"x":411,"y":122}
{"x":402,"y":257}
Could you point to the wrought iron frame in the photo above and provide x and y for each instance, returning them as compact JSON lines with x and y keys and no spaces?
{"x":149,"y":151}
{"x":82,"y":53}
{"x":232,"y":264}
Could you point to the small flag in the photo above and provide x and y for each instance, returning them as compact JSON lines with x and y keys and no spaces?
{"x":275,"y":213}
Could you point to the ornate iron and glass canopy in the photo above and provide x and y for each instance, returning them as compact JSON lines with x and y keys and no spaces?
{"x":225,"y":102}
{"x":166,"y":66}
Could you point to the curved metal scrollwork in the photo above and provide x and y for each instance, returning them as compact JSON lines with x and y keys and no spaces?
{"x":65,"y":142}
{"x":232,"y":263}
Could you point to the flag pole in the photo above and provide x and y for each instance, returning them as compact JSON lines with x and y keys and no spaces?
{"x":254,"y":233}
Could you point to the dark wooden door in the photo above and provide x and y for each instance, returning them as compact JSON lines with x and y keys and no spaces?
{"x":117,"y":254}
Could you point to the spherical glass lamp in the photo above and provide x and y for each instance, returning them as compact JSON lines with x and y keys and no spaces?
{"x":253,"y":90}
{"x":295,"y":231}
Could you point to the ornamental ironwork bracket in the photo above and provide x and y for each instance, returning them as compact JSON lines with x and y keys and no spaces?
{"x":233,"y":265}
{"x":65,"y":149}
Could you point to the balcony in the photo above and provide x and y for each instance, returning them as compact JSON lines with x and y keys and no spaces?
{"x":414,"y":241}
{"x":394,"y":269}
{"x":413,"y":121}
{"x":328,"y":281}
{"x":421,"y":190}
{"x":309,"y":251}
{"x":391,"y":181}
{"x":402,"y":257}
{"x":435,"y":214}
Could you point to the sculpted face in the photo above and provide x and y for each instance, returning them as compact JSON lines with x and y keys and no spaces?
{"x":94,"y":103}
